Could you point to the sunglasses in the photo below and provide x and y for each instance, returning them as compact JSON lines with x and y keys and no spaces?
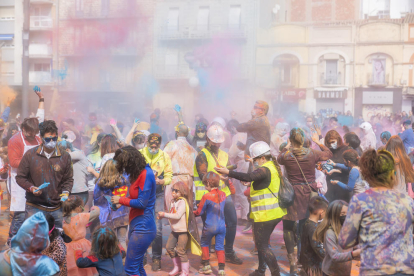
{"x":175,"y":190}
{"x":47,"y":140}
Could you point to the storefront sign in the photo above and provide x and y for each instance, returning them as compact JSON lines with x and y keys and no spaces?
{"x":330,"y":94}
{"x":377,"y":97}
{"x":294,"y":94}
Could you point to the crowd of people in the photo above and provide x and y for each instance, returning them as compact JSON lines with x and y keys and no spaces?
{"x":90,"y":199}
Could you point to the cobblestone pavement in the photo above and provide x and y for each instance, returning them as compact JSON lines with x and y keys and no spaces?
{"x":243,"y":246}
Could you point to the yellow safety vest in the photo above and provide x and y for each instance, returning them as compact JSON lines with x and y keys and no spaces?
{"x":265,"y":206}
{"x":222,"y":159}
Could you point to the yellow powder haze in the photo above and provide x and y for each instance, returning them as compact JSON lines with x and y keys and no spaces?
{"x":6,"y":94}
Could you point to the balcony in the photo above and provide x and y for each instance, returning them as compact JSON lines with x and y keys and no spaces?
{"x":37,"y":77}
{"x":41,"y":1}
{"x":7,"y":26}
{"x":179,"y":71}
{"x":7,"y":53}
{"x":40,"y":51}
{"x":379,"y":80}
{"x":331,"y":80}
{"x":7,"y":3}
{"x":41,"y":23}
{"x":201,"y":32}
{"x":7,"y":78}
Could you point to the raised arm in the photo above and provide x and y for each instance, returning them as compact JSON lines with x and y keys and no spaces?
{"x":118,"y":134}
{"x":41,"y":108}
{"x":128,"y":139}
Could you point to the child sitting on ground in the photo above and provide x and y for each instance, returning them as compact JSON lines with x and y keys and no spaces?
{"x":312,"y":252}
{"x":212,"y":204}
{"x":106,"y":254}
{"x":180,"y":221}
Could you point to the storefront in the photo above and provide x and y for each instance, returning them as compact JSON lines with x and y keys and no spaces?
{"x":330,"y":99}
{"x":372,"y":101}
{"x":286,"y":102}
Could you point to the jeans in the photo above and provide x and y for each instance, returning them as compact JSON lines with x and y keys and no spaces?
{"x":176,"y":246}
{"x":58,"y":215}
{"x":157,"y":244}
{"x":17,"y":221}
{"x":230,"y":217}
{"x":262,"y":232}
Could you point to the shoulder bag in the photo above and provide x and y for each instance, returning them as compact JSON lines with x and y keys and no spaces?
{"x":313,"y":193}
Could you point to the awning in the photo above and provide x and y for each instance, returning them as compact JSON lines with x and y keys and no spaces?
{"x":6,"y":36}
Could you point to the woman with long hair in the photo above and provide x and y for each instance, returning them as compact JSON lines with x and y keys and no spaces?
{"x":299,"y":165}
{"x":108,"y":148}
{"x":404,"y":172}
{"x":337,"y":261}
{"x":380,"y":220}
{"x":334,"y":142}
{"x":142,"y":228}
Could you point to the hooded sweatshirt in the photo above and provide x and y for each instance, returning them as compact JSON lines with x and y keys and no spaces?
{"x":24,"y":257}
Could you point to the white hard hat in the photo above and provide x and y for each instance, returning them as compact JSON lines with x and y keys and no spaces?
{"x":220,"y":121}
{"x":259,"y":148}
{"x":146,"y":132}
{"x":365,"y":126}
{"x":216,"y":134}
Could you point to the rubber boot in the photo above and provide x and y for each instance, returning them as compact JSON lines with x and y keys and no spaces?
{"x":293,"y":264}
{"x":177,"y":266}
{"x":185,"y":267}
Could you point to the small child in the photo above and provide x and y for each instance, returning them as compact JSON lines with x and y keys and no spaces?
{"x":337,"y":261}
{"x":74,"y":225}
{"x":312,"y":252}
{"x":212,"y":204}
{"x":178,"y":239}
{"x":355,"y":183}
{"x":110,"y":183}
{"x":106,"y":254}
{"x":57,"y":248}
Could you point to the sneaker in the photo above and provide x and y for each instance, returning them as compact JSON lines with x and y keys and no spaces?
{"x":205,"y":270}
{"x":233,"y":259}
{"x":221,"y":273}
{"x":257,"y":273}
{"x":156,"y":265}
{"x":212,"y":250}
{"x":254,"y":252}
{"x":247,"y":228}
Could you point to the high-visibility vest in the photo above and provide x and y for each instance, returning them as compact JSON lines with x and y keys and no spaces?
{"x":265,"y":206}
{"x":222,"y":159}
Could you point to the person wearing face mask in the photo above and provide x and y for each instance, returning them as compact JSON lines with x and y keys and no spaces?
{"x":279,"y":137}
{"x":337,"y":261}
{"x":18,"y":145}
{"x":369,"y":141}
{"x":200,"y":138}
{"x":334,"y":142}
{"x":207,"y":160}
{"x":160,"y":163}
{"x":182,"y":156}
{"x":258,"y":128}
{"x":265,"y":210}
{"x":46,"y":164}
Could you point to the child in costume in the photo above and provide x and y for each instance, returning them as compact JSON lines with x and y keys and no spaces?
{"x":180,"y":220}
{"x":74,"y":225}
{"x":111,"y":183}
{"x":106,"y":254}
{"x":212,"y":204}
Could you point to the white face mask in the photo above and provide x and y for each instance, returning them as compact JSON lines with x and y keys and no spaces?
{"x":334,"y":145}
{"x":256,"y":164}
{"x":140,"y":146}
{"x":253,"y":113}
{"x":153,"y":152}
{"x":50,"y":145}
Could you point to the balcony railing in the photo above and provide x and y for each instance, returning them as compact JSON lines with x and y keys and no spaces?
{"x":6,"y":26}
{"x":333,"y":79}
{"x":41,"y":1}
{"x":201,"y":32}
{"x":40,"y":77}
{"x":380,"y":80}
{"x":41,"y":22}
{"x":40,"y":50}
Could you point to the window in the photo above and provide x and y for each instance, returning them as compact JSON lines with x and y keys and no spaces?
{"x":79,"y":5}
{"x":283,"y":73}
{"x":40,"y":11}
{"x":105,"y":7}
{"x":331,"y":71}
{"x":171,"y":60}
{"x":172,"y":21}
{"x":203,"y":18}
{"x":234,"y":17}
{"x":42,"y":67}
